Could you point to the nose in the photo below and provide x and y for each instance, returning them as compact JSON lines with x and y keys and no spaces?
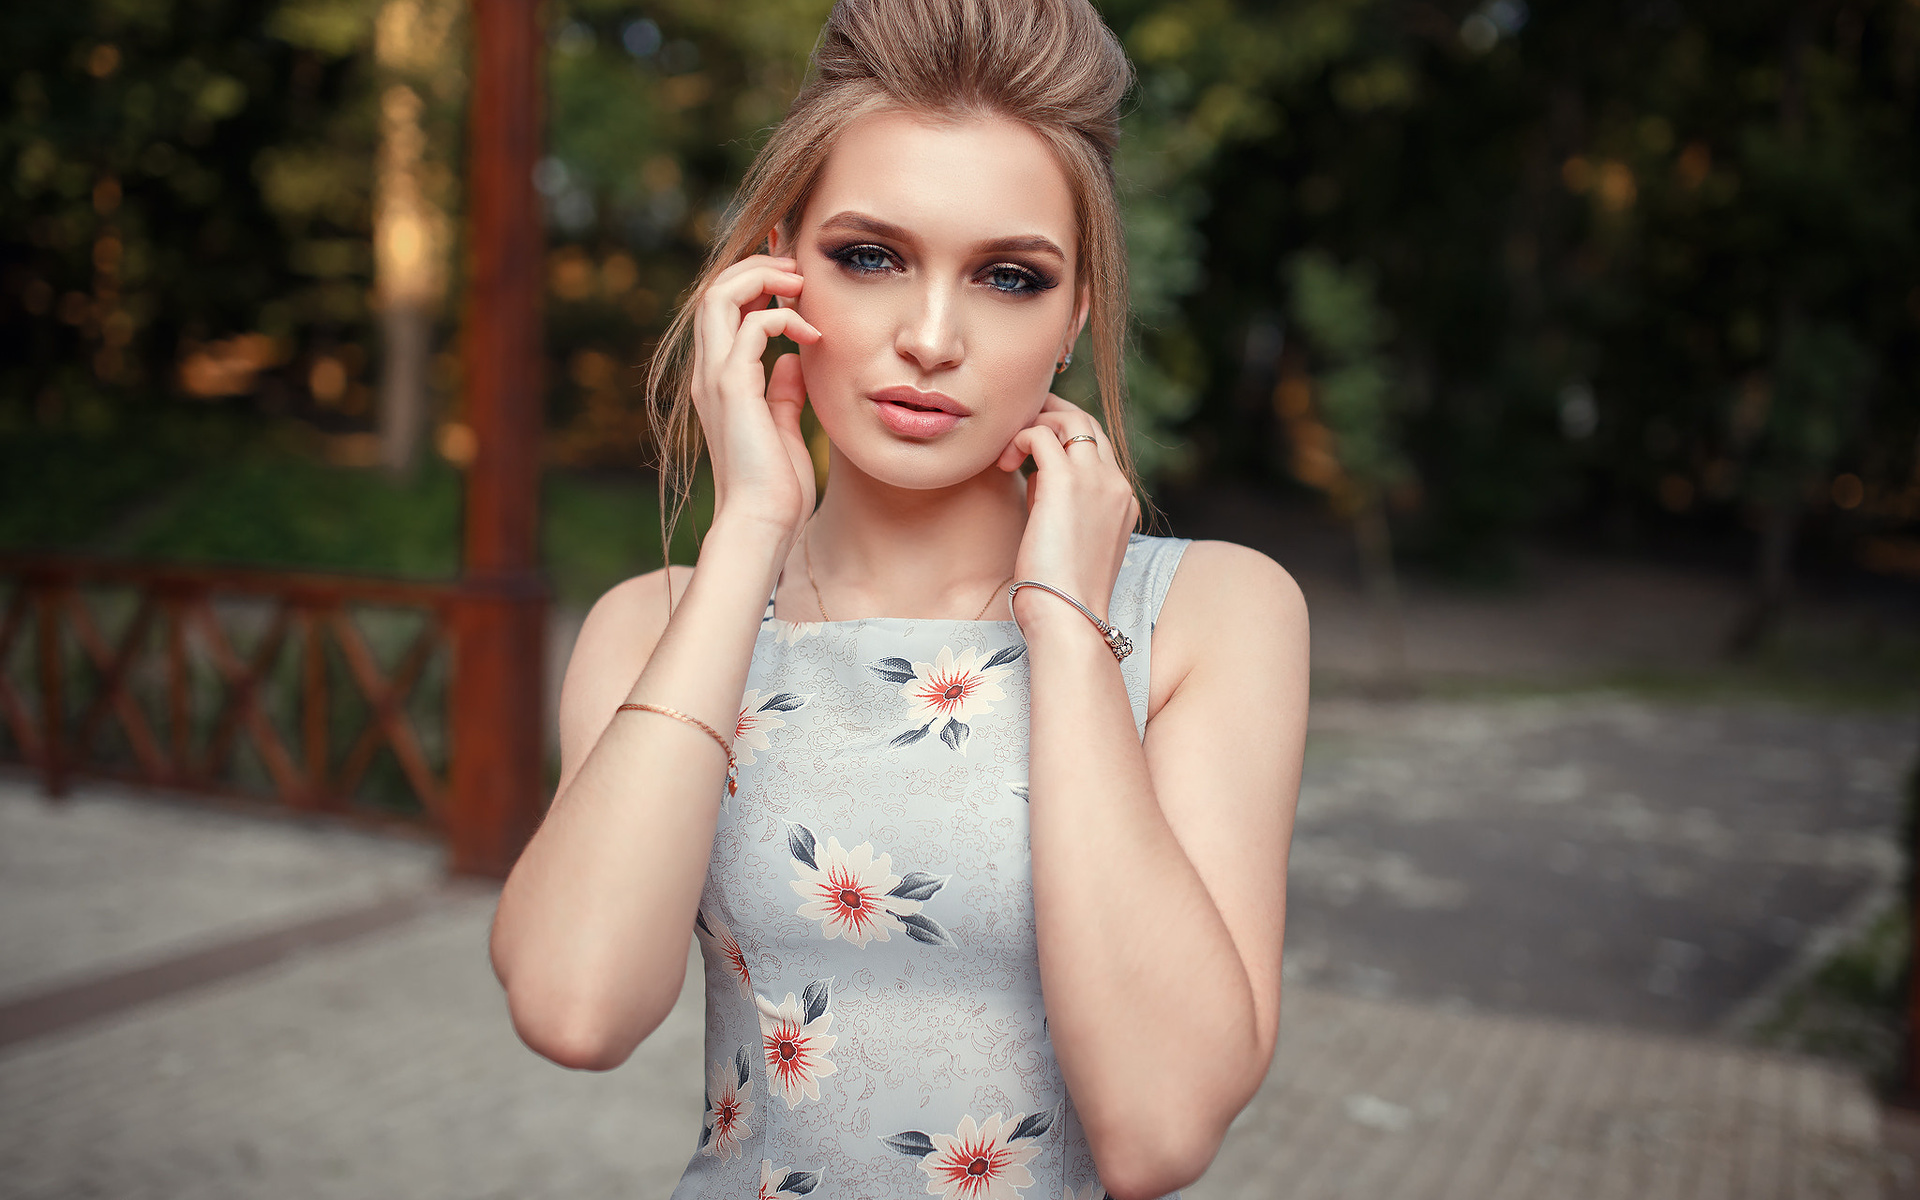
{"x":930,"y":334}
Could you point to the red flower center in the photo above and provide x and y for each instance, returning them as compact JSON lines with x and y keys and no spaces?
{"x":973,"y":1166}
{"x":947,"y":692}
{"x":846,"y":893}
{"x":787,"y":1050}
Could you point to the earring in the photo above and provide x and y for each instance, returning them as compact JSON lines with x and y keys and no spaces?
{"x":1061,"y":366}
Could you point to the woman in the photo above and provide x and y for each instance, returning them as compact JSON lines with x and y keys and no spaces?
{"x":942,"y":790}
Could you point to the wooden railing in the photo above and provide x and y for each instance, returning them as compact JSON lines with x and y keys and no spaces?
{"x":277,"y":686}
{"x":171,"y":693}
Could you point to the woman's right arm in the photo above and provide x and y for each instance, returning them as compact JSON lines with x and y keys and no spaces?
{"x":590,"y":938}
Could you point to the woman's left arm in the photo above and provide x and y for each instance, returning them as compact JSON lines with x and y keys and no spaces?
{"x":1159,"y":869}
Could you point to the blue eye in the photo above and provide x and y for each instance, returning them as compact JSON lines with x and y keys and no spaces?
{"x":1016,"y":280}
{"x":867,"y":260}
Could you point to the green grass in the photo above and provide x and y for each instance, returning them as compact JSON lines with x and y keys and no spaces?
{"x":1838,"y":678}
{"x":65,"y":490}
{"x":218,"y":496}
{"x":1853,"y":1007}
{"x":269,"y":507}
{"x":598,"y":530}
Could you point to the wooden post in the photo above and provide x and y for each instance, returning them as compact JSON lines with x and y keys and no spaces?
{"x":497,"y":770}
{"x":1910,"y":1096}
{"x":52,"y":700}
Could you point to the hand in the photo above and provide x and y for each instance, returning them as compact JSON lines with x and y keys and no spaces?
{"x":1080,"y":509}
{"x":761,"y":468}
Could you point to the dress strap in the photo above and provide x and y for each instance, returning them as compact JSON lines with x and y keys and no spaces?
{"x":1138,"y":592}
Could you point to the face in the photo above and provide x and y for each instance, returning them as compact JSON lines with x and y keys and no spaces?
{"x":939,"y":265}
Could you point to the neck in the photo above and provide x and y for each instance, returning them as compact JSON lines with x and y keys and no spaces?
{"x":883,"y":550}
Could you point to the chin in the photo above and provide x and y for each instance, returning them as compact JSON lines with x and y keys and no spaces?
{"x":914,"y":464}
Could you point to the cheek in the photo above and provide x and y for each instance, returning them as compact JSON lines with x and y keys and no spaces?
{"x":1013,"y":351}
{"x":853,"y":335}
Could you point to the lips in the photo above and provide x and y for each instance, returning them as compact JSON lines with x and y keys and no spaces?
{"x":914,"y":398}
{"x":917,"y":414}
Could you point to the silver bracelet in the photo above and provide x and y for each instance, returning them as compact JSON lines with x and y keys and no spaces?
{"x":1116,"y":641}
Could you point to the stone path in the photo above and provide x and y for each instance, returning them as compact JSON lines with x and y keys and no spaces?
{"x":1459,"y":865}
{"x":387,"y":1069}
{"x":1595,"y":857}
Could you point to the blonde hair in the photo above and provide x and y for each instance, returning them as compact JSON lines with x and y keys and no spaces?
{"x":1052,"y":65}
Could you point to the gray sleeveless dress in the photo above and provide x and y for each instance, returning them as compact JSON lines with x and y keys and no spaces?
{"x":874,"y":1021}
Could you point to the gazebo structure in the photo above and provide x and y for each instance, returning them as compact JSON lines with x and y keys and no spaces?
{"x":496,"y":770}
{"x":194,"y":660}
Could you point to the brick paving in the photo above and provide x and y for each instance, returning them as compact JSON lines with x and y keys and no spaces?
{"x":116,"y":878}
{"x":386,"y":1068}
{"x":384,"y":1065}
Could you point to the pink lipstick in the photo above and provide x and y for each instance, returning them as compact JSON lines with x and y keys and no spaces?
{"x":910,"y":412}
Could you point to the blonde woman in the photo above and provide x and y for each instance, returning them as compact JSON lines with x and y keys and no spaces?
{"x":955,"y":739}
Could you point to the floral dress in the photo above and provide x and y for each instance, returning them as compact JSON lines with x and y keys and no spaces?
{"x":874,"y":1020}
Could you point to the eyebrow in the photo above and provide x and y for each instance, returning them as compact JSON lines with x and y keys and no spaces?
{"x":853,"y":222}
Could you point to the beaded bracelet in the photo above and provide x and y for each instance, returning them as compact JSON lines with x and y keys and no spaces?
{"x":1116,"y":641}
{"x":676,"y":714}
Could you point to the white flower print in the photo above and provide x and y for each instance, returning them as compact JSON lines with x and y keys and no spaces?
{"x":757,"y":718}
{"x":724,"y":941}
{"x":785,"y":1181}
{"x":950,"y":689}
{"x":729,"y":1106}
{"x":796,"y":1040}
{"x":792,"y":631}
{"x":952,"y":686}
{"x":750,"y":730}
{"x":984,"y":1161}
{"x":856,"y":896}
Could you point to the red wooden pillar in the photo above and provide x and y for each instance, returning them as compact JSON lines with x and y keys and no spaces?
{"x":497,"y":772}
{"x":53,"y":700}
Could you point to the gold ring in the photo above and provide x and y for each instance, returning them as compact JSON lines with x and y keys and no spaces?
{"x":1078,"y":437}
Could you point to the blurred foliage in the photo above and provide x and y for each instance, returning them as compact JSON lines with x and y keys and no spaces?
{"x":1641,"y":261}
{"x":1337,"y":314}
{"x":1616,"y":267}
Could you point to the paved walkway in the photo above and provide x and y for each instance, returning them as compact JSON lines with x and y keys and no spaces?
{"x":375,"y":1059}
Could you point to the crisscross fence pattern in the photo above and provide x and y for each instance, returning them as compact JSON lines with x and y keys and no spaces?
{"x":320,"y":693}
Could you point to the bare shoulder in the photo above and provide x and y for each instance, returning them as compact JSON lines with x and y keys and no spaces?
{"x":632,"y":613}
{"x":1227,"y":586}
{"x":1227,"y":604}
{"x":1223,"y":578}
{"x":613,"y":647}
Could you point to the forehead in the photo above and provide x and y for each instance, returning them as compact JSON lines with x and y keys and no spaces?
{"x":948,"y":181}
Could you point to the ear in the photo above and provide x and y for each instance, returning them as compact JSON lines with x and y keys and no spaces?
{"x":777,"y":241}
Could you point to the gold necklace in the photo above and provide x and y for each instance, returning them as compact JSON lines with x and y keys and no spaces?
{"x":806,"y":554}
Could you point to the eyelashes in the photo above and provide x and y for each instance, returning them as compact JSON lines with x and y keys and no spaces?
{"x":862,"y":258}
{"x":1013,"y":279}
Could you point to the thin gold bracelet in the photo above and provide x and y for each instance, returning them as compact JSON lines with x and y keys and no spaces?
{"x":696,"y":722}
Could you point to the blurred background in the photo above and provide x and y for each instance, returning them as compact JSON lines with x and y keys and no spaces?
{"x":1569,"y":356}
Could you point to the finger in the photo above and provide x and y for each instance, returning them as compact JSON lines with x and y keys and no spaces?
{"x":787,"y":392}
{"x":744,"y":283}
{"x":1068,"y":425}
{"x":736,"y":291}
{"x":1042,"y":444}
{"x":759,"y":327}
{"x":728,"y":300}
